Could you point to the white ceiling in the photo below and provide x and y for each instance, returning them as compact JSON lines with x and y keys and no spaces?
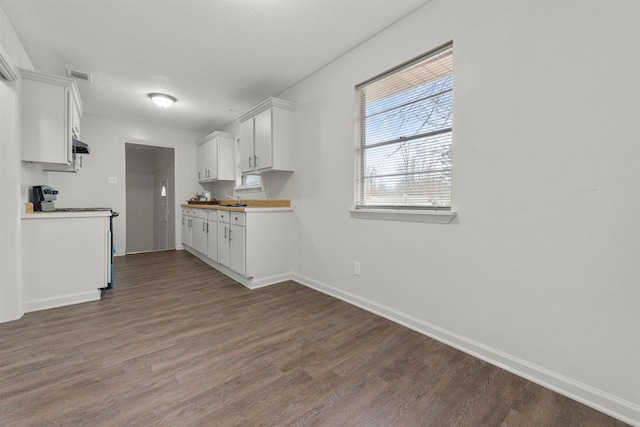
{"x":217,"y":57}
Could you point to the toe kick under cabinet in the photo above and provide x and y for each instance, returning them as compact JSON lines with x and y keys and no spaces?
{"x":252,"y":247}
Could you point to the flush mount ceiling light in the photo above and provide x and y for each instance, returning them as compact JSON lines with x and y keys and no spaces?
{"x":162,"y":100}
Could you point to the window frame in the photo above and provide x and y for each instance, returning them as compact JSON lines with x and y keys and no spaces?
{"x":406,"y":212}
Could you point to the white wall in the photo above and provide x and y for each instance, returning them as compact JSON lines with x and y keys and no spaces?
{"x":10,"y":300}
{"x":540,"y":271}
{"x":10,"y":205}
{"x":107,"y":136}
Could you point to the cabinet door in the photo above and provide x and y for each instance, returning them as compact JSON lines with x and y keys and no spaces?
{"x":223,"y":243}
{"x":45,"y":122}
{"x":200,"y":230}
{"x":247,"y":161}
{"x":212,"y":240}
{"x":75,"y":119}
{"x":201,"y":160}
{"x":237,"y":249}
{"x":194,"y":232}
{"x":187,"y":235}
{"x":184,"y":228}
{"x":263,"y":140}
{"x":212,"y":160}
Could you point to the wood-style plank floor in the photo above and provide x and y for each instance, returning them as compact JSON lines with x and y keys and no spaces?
{"x":178,"y":344}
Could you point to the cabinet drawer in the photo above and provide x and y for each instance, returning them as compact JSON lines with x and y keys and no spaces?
{"x":223,"y":216}
{"x":212,"y":215}
{"x":202,"y":213}
{"x":237,"y":218}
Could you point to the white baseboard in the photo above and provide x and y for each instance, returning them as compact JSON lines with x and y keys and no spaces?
{"x":271,"y":280}
{"x":10,"y":316}
{"x":46,"y":303}
{"x":604,"y":402}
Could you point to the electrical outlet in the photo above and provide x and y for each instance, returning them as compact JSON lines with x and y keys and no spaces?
{"x":112,"y":180}
{"x":356,"y":268}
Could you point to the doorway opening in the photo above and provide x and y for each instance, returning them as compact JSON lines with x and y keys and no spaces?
{"x":150,"y":198}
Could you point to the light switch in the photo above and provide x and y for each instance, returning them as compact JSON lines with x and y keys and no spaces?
{"x":112,"y":180}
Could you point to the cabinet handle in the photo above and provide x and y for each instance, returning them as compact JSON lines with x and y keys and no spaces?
{"x":225,"y":232}
{"x":255,"y":161}
{"x":250,"y":162}
{"x":229,"y":234}
{"x":203,"y":229}
{"x":207,"y":228}
{"x":182,"y":221}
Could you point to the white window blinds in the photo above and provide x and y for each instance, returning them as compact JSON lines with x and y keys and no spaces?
{"x":403,"y":135}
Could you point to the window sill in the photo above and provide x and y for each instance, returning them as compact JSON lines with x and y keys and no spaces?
{"x":438,"y":217}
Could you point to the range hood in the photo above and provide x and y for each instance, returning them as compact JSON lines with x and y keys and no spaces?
{"x":79,"y":147}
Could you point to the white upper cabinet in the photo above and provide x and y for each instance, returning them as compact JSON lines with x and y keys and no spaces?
{"x":245,"y":137}
{"x":50,"y":114}
{"x":266,"y":137}
{"x":216,"y":158}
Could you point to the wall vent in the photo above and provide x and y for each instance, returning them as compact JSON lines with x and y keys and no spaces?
{"x":78,"y":75}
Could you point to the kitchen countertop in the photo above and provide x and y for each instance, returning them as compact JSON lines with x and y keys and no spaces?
{"x":253,"y":205}
{"x":29,"y":213}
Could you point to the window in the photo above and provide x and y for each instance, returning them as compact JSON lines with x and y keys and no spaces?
{"x":251,"y":181}
{"x":403,"y":136}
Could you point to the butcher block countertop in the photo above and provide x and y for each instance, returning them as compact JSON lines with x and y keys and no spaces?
{"x":252,"y":205}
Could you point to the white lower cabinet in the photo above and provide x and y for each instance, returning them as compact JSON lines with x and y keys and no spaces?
{"x":224,"y":231}
{"x":187,"y":226}
{"x":237,"y":243}
{"x":222,"y":244}
{"x":231,"y":240}
{"x":200,"y":237}
{"x":212,"y":235}
{"x":252,"y":247}
{"x":199,"y":231}
{"x":72,"y":252}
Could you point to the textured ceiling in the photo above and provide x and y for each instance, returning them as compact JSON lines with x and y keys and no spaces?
{"x":217,"y":57}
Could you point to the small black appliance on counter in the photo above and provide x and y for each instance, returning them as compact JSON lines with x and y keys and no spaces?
{"x":43,"y":197}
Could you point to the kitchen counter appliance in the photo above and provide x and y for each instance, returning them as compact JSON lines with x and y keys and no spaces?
{"x":43,"y":198}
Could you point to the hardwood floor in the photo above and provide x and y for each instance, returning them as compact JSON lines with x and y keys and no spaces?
{"x":176,"y":343}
